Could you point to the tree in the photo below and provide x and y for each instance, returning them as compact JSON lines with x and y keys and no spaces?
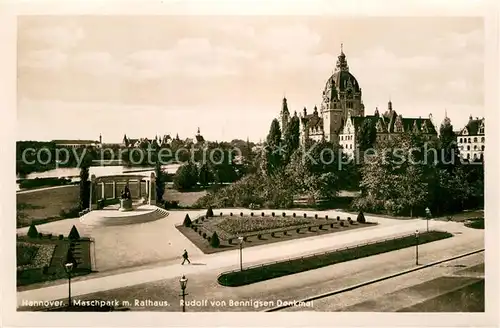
{"x":186,"y":177}
{"x":187,"y":221}
{"x":84,"y":188}
{"x":273,"y":149}
{"x":361,"y":217}
{"x":205,"y":175}
{"x":367,"y":134}
{"x":160,"y":182}
{"x":291,"y":138}
{"x":32,"y":231}
{"x":70,"y":258}
{"x":210,"y":212}
{"x":73,"y":234}
{"x":214,"y":241}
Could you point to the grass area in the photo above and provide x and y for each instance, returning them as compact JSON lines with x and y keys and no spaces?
{"x":292,"y":266}
{"x":262,"y":230}
{"x":475,"y":223}
{"x":45,"y":205}
{"x":184,"y":198}
{"x":52,"y":267}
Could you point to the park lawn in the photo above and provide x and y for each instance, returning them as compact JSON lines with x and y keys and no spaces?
{"x":185,"y":198}
{"x":45,"y":205}
{"x":292,"y":266}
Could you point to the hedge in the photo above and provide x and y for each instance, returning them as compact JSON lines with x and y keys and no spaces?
{"x":284,"y":268}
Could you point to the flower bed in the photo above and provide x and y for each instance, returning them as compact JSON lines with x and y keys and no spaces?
{"x":248,"y":224}
{"x":41,"y":258}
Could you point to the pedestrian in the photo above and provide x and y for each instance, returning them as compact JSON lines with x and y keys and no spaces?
{"x":185,"y":257}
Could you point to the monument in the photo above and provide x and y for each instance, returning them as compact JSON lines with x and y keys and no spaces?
{"x":126,"y":200}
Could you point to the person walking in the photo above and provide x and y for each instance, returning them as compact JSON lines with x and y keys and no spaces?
{"x":185,"y":257}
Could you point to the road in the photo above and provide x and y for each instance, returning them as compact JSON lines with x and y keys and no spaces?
{"x":218,"y":262}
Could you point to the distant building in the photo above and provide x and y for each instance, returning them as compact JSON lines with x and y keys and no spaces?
{"x":78,"y":143}
{"x":471,"y":139}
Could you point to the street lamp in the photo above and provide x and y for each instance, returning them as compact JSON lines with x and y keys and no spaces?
{"x":69,"y":267}
{"x":428,"y":215}
{"x":183,"y":281}
{"x":241,"y":252}
{"x":416,"y":247}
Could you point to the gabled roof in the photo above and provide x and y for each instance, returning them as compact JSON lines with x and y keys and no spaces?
{"x":473,"y":127}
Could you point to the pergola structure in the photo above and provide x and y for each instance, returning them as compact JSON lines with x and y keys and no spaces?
{"x":110,"y":187}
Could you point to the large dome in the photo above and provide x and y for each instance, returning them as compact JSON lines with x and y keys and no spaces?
{"x":341,"y":80}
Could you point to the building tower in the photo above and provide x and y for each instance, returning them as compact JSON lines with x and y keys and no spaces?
{"x":341,"y":96}
{"x":284,"y":115}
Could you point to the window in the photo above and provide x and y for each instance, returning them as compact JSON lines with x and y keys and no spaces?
{"x":475,"y":139}
{"x":475,"y":147}
{"x":342,"y":138}
{"x":468,"y":147}
{"x":460,"y":140}
{"x":468,"y":140}
{"x":482,"y":139}
{"x":482,"y":147}
{"x":468,"y":156}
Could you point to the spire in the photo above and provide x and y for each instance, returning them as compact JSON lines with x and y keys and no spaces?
{"x":446,"y":120}
{"x":341,"y":62}
{"x":284,"y":107}
{"x":315,"y":111}
{"x":198,"y":131}
{"x":389,"y":105}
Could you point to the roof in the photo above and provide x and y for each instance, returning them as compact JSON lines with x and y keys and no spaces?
{"x":473,"y":127}
{"x":74,"y":142}
{"x":313,"y":121}
{"x":390,"y":120}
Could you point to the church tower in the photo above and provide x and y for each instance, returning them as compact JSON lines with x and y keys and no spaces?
{"x":342,"y":97}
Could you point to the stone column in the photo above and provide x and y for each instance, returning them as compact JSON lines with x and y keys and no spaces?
{"x":103,"y":190}
{"x":139,"y":188}
{"x":93,"y":187}
{"x":114,"y":189}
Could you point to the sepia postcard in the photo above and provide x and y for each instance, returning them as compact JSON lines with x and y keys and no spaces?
{"x":205,"y":163}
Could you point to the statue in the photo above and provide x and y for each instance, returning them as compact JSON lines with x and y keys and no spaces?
{"x":126,"y":193}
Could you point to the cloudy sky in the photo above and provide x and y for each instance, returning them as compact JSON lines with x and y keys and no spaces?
{"x":142,"y":75}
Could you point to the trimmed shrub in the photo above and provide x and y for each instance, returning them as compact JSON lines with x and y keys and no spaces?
{"x":200,"y":232}
{"x":285,"y":233}
{"x":220,"y":214}
{"x":273,"y":234}
{"x":210,"y":212}
{"x":215,"y":241}
{"x":283,"y":214}
{"x":331,"y":225}
{"x":187,"y":221}
{"x":338,"y":218}
{"x":245,"y":238}
{"x":294,"y":215}
{"x":231,"y":214}
{"x":229,"y":241}
{"x":320,"y":227}
{"x":297,"y":230}
{"x":202,"y":218}
{"x":349,"y":219}
{"x":195,"y":228}
{"x":272,"y":214}
{"x":73,"y":234}
{"x":262,"y":214}
{"x":204,"y":235}
{"x":361,"y":217}
{"x":241,"y":213}
{"x":305,"y":215}
{"x":209,"y":238}
{"x":251,"y":213}
{"x":259,"y":236}
{"x":61,"y":237}
{"x":315,"y":216}
{"x":310,"y":228}
{"x":32,"y":232}
{"x":40,"y":235}
{"x":326,"y":217}
{"x":341,"y":223}
{"x":45,"y":269}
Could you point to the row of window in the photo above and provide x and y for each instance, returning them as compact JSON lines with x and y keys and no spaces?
{"x":476,"y":156}
{"x":467,"y":140}
{"x":475,"y":147}
{"x":346,"y":137}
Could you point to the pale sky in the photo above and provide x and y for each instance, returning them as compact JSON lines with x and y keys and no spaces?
{"x":79,"y":76}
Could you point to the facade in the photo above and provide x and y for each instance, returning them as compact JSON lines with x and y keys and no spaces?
{"x":78,"y":143}
{"x":387,"y":125}
{"x":471,"y":139}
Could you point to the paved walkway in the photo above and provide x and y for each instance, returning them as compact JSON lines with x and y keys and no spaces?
{"x":258,"y":254}
{"x":43,"y":189}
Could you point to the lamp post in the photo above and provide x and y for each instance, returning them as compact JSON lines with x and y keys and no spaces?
{"x":428,"y":215}
{"x":416,"y":247}
{"x":69,"y":267}
{"x":241,"y":252}
{"x":183,"y":281}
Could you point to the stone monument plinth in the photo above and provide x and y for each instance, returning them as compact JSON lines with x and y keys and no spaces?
{"x":126,"y":205}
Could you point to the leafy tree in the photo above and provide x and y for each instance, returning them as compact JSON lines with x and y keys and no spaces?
{"x":205,"y":175}
{"x":186,"y":177}
{"x":161,"y":178}
{"x":73,"y":234}
{"x":273,"y":149}
{"x":367,"y":134}
{"x":32,"y":231}
{"x":215,"y":241}
{"x":291,"y":138}
{"x":187,"y":221}
{"x":84,"y":185}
